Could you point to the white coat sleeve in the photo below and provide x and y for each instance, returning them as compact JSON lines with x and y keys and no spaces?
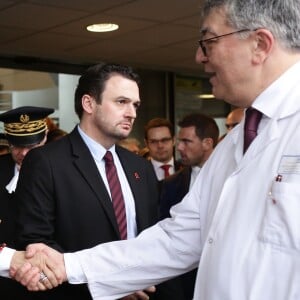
{"x":5,"y":259}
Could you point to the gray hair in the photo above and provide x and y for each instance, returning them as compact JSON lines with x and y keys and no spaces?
{"x":281,"y":17}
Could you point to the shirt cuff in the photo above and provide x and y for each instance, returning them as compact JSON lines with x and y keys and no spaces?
{"x":75,"y":273}
{"x":5,"y":260}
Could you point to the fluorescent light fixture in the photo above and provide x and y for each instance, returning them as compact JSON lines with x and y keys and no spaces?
{"x":102,"y":27}
{"x":206,"y":96}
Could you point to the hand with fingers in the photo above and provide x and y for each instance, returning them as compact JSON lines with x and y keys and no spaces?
{"x":39,"y":268}
{"x":140,"y":295}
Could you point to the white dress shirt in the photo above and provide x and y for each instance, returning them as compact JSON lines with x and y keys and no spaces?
{"x":12,"y":185}
{"x":195,"y":172}
{"x":160,"y":173}
{"x":238,"y":224}
{"x":5,"y":259}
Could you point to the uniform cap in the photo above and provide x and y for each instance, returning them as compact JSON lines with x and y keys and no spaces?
{"x":25,"y":125}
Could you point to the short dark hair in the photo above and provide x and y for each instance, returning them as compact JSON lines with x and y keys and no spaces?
{"x":92,"y":82}
{"x":158,"y":122}
{"x":205,"y":126}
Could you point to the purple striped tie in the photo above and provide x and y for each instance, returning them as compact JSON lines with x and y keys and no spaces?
{"x":252,"y":120}
{"x":116,"y":194}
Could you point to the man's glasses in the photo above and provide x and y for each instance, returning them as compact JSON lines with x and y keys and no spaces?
{"x":213,"y":39}
{"x":163,"y":141}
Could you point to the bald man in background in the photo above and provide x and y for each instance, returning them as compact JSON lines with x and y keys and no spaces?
{"x":232,"y":119}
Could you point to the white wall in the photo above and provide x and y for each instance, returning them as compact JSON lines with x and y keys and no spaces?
{"x":66,"y":89}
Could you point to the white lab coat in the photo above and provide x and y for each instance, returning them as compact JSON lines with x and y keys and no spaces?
{"x":241,"y":224}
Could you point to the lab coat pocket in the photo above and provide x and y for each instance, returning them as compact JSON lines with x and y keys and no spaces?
{"x":281,"y":224}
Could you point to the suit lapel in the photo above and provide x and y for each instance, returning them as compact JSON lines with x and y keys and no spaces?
{"x":86,"y":166}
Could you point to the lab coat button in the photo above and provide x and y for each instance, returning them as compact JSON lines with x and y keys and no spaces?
{"x":210,"y":240}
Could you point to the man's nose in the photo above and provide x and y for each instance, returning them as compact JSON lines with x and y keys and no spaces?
{"x":200,"y":57}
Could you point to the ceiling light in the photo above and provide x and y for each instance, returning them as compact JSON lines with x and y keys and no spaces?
{"x":206,"y":96}
{"x":103,"y":27}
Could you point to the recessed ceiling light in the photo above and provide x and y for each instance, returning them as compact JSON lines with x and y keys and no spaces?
{"x":103,"y":27}
{"x":206,"y":96}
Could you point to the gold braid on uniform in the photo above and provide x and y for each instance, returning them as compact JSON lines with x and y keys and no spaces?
{"x":28,"y":128}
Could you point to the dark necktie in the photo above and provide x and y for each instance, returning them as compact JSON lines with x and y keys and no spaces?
{"x":252,"y":120}
{"x":116,"y":194}
{"x":166,"y":170}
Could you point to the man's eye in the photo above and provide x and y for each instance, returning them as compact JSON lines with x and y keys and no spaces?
{"x":213,"y":40}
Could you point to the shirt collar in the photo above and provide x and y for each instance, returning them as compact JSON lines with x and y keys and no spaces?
{"x":97,"y":150}
{"x":159,"y":164}
{"x":275,"y":101}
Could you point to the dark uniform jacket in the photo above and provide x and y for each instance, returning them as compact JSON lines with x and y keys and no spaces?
{"x":11,"y":290}
{"x":7,"y":204}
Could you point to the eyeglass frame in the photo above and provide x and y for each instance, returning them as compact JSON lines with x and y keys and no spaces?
{"x":201,"y":42}
{"x":163,"y":141}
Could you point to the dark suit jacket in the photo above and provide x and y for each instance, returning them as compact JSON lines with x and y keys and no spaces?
{"x":8,"y":213}
{"x":172,"y":191}
{"x":64,"y":202}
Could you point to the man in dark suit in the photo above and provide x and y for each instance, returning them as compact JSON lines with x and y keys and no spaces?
{"x":197,"y":137}
{"x":64,"y":193}
{"x":25,"y":129}
{"x":160,"y":140}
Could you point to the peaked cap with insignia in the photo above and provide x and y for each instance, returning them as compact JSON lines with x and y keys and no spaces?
{"x":25,"y":125}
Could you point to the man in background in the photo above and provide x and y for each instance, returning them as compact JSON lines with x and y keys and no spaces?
{"x":160,"y":140}
{"x":233,"y":119}
{"x":197,"y":137}
{"x":25,"y":129}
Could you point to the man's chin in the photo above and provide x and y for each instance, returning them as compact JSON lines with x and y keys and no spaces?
{"x":123,"y":135}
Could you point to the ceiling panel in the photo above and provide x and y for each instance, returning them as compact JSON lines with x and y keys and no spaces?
{"x":36,"y":17}
{"x":155,"y":34}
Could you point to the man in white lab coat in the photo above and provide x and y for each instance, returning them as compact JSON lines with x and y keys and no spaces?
{"x":240,"y":223}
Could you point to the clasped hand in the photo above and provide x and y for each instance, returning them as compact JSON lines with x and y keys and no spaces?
{"x":38,"y":268}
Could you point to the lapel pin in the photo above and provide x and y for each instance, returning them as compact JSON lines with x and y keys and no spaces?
{"x":136,"y":175}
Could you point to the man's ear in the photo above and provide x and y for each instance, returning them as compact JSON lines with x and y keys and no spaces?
{"x":264,"y":43}
{"x":87,"y":103}
{"x":207,"y":144}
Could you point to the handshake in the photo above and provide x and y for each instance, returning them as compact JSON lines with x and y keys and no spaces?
{"x":41,"y":268}
{"x":38,"y":268}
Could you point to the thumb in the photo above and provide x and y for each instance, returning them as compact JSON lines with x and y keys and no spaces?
{"x":32,"y":249}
